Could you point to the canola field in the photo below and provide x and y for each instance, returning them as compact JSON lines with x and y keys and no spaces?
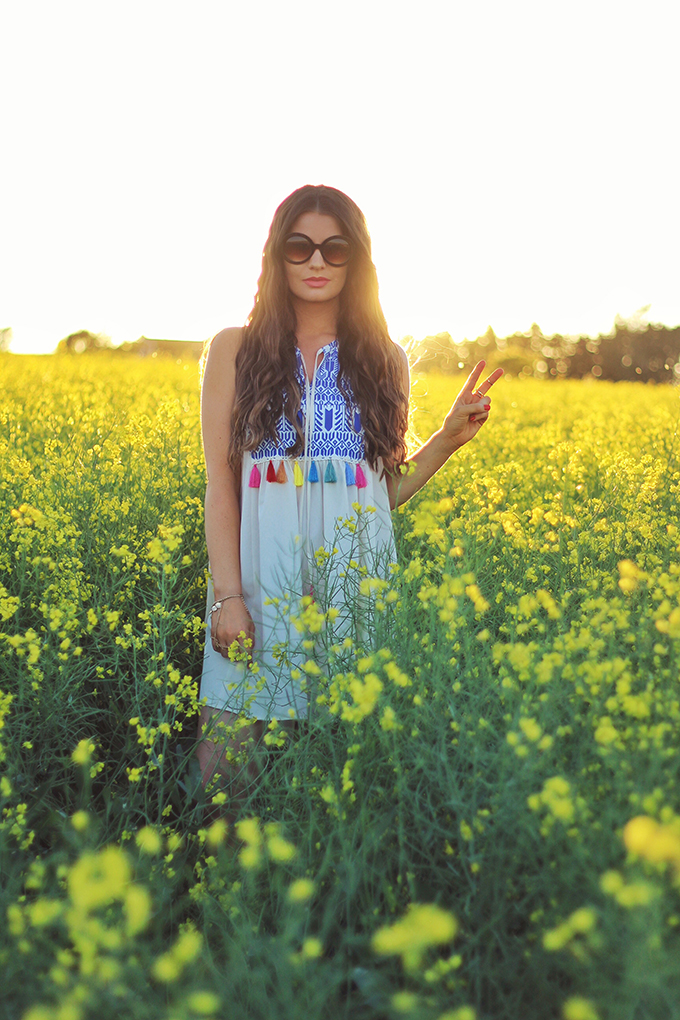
{"x":481,"y":821}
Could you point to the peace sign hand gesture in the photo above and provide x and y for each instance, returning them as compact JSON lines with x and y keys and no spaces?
{"x":471,"y":407}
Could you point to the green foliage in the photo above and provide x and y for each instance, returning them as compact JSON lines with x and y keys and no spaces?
{"x":480,"y":817}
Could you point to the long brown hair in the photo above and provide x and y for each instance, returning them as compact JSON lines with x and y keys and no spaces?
{"x":266,"y":382}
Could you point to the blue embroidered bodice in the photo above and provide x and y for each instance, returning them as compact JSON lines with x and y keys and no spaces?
{"x":336,"y":430}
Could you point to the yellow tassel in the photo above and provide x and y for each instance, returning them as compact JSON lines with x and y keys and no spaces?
{"x":297,"y":474}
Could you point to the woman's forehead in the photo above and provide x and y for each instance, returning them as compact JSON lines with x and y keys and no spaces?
{"x":316,"y":225}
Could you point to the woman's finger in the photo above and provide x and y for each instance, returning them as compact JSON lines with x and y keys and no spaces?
{"x":474,"y":375}
{"x":488,"y":383}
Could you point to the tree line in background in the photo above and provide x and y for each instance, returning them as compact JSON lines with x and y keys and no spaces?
{"x":634,"y":350}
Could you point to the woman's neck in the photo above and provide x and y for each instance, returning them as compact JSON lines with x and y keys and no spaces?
{"x":316,"y":324}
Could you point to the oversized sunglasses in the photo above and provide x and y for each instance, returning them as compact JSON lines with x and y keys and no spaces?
{"x":335,"y":250}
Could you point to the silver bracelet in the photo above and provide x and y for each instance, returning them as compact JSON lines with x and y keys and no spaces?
{"x":218,"y":605}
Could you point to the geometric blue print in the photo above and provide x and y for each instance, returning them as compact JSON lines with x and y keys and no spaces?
{"x":336,"y":429}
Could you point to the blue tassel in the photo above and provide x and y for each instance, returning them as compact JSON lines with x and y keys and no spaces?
{"x":313,"y":475}
{"x":349,"y":475}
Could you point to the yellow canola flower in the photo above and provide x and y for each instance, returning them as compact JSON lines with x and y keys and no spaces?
{"x":203,"y":1003}
{"x":137,"y":905}
{"x":300,"y":890}
{"x":580,"y":922}
{"x":188,"y":946}
{"x":630,"y":576}
{"x":577,"y":1008}
{"x":423,"y":925}
{"x":655,"y":842}
{"x":311,"y":949}
{"x":583,"y":920}
{"x":606,"y":733}
{"x":670,"y":626}
{"x":639,"y":833}
{"x":82,"y":752}
{"x":636,"y":894}
{"x":365,"y":694}
{"x":43,"y":912}
{"x":98,"y":878}
{"x":217,"y":833}
{"x":148,"y":840}
{"x":80,"y":820}
{"x":557,"y":938}
{"x":41,"y":1013}
{"x":169,"y":966}
{"x":278,"y":848}
{"x":611,"y":882}
{"x":462,"y":1013}
{"x":248,"y":829}
{"x":388,"y":719}
{"x":531,"y":730}
{"x":396,"y":675}
{"x":404,"y":1002}
{"x":476,"y":597}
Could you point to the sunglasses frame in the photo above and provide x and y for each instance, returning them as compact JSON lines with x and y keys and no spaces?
{"x":318,"y":247}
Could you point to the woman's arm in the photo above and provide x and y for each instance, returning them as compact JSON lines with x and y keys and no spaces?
{"x":222,"y":495}
{"x":467,"y":415}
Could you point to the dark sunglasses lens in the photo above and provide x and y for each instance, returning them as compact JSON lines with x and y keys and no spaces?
{"x":336,"y":251}
{"x":297,"y":249}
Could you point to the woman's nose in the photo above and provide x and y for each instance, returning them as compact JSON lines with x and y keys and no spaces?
{"x":316,"y":258}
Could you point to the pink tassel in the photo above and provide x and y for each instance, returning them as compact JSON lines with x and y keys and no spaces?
{"x":255,"y":477}
{"x":271,"y":473}
{"x":361,"y":478}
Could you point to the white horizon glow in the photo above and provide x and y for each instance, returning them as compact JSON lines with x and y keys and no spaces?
{"x":515,"y":162}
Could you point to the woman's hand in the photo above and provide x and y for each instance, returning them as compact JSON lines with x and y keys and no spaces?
{"x":232,"y":622}
{"x":471,"y":407}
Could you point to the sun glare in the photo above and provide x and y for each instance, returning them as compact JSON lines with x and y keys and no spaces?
{"x":504,"y":180}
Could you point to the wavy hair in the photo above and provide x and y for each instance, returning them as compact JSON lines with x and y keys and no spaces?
{"x":266,"y":380}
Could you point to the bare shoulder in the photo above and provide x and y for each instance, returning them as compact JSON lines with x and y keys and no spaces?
{"x":402,"y":358}
{"x":219,"y":371}
{"x":224,"y":345}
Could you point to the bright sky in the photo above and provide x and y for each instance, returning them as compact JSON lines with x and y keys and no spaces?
{"x":516,"y":161}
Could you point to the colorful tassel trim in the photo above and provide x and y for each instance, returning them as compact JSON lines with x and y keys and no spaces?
{"x":354,"y":474}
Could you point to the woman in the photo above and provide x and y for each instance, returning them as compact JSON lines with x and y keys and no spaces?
{"x":304,"y":414}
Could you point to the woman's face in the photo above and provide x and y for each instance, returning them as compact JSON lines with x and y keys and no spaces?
{"x":316,"y":280}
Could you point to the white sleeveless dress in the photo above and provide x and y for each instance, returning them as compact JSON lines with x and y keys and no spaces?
{"x":327,"y":499}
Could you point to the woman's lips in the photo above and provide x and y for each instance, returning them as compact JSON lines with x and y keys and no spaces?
{"x":316,"y":281}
